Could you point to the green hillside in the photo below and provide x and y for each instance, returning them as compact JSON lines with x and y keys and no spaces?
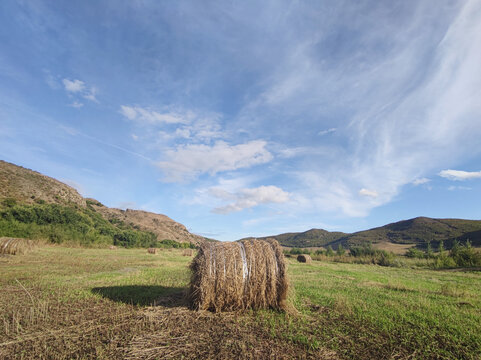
{"x":309,"y":238}
{"x":418,"y":231}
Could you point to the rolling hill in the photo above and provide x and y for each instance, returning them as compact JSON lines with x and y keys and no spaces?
{"x":417,"y":232}
{"x":34,"y":191}
{"x":309,"y":238}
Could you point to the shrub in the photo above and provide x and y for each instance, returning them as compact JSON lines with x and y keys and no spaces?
{"x":340,"y":250}
{"x":366,"y":254}
{"x":329,"y":251}
{"x":9,"y":202}
{"x":415,"y":253}
{"x":296,"y":251}
{"x":466,"y":256}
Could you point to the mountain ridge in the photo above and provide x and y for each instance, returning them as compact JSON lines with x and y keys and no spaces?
{"x":417,"y":231}
{"x":27,"y":186}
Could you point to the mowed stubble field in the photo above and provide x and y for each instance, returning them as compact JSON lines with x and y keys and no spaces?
{"x":76,"y":303}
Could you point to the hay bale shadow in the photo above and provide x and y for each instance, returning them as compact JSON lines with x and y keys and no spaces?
{"x":144,"y":295}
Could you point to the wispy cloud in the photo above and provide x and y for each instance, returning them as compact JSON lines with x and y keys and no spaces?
{"x":420,"y":181}
{"x":91,"y":94}
{"x":186,"y":162}
{"x":460,"y":175}
{"x":453,"y":188}
{"x":79,"y":88}
{"x":148,"y":116}
{"x":249,"y":198}
{"x":414,"y":106}
{"x":74,"y":86}
{"x":76,"y":104}
{"x":368,"y":193}
{"x":328,"y":131}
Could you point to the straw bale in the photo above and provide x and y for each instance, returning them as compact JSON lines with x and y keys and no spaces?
{"x":239,"y":275}
{"x":152,"y":251}
{"x":188,"y":252}
{"x":14,"y":246}
{"x":304,"y":258}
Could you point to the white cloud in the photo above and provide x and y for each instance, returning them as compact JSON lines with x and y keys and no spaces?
{"x":420,"y":181}
{"x":459,"y":175}
{"x":51,"y":80}
{"x":203,"y":128}
{"x":368,"y":193}
{"x":194,"y":126}
{"x":73,"y":86}
{"x":147,"y":116}
{"x":453,"y":188}
{"x":189,"y":161}
{"x":90,"y":94}
{"x":129,"y":112}
{"x":79,"y":88}
{"x":183,"y":133}
{"x":249,"y":197}
{"x":76,"y":104}
{"x":328,"y":131}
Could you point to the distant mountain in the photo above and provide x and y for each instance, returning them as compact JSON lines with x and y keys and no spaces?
{"x":417,"y":231}
{"x":309,"y":238}
{"x":26,"y":186}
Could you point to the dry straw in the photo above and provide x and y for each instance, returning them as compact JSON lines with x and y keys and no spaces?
{"x":188,"y":252}
{"x":14,"y":246}
{"x":239,"y":275}
{"x":304,"y":258}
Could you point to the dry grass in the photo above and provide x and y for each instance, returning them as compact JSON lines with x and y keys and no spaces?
{"x":398,"y":249}
{"x":239,"y":275}
{"x":14,"y":246}
{"x":304,"y":258}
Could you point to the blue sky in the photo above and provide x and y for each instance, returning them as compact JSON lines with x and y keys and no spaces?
{"x":250,"y":118}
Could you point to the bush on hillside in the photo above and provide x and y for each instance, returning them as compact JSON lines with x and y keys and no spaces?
{"x":415,"y":253}
{"x":59,"y":223}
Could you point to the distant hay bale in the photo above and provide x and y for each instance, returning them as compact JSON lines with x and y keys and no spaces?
{"x":188,"y":252}
{"x":152,"y":251}
{"x":304,"y":258}
{"x":14,"y":246}
{"x":113,"y":247}
{"x":239,"y":275}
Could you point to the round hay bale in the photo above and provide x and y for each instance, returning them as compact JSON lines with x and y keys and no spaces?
{"x":14,"y":246}
{"x":152,"y":251}
{"x":228,"y":276}
{"x":304,"y":258}
{"x":188,"y":252}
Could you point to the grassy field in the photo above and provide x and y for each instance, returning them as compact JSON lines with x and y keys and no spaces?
{"x":75,"y":303}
